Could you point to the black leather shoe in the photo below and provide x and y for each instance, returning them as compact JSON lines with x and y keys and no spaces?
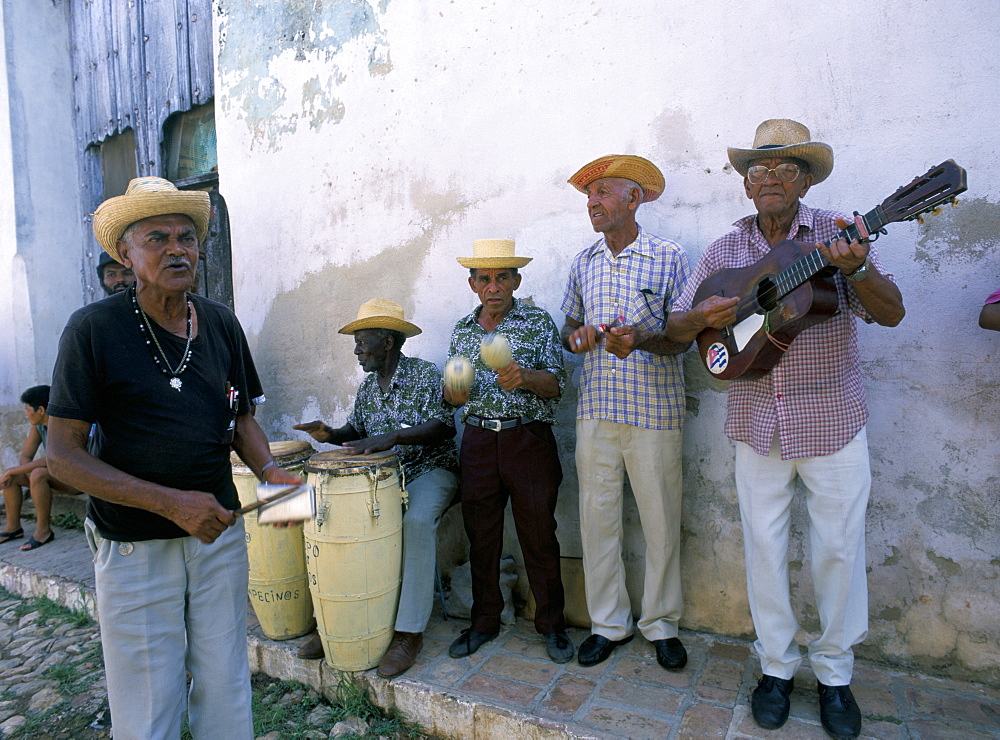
{"x":838,"y":711}
{"x":469,"y":642}
{"x":769,"y":702}
{"x":559,"y":647}
{"x":670,"y":653}
{"x":596,"y":649}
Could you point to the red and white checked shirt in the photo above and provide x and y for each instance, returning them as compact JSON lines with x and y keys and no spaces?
{"x":815,"y":395}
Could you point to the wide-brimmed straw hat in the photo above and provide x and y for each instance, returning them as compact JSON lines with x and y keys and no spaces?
{"x":633,"y":168}
{"x":781,"y":137}
{"x":381,"y":313}
{"x":493,"y":253}
{"x":145,"y":197}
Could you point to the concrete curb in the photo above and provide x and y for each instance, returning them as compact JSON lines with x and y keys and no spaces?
{"x":28,"y":584}
{"x":441,"y":713}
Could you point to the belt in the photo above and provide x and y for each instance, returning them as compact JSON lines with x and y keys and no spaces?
{"x":495,"y":425}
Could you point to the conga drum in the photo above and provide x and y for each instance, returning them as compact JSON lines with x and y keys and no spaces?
{"x":279,"y":590}
{"x":354,"y":551}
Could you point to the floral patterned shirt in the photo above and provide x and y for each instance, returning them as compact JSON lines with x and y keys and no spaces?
{"x":534,"y":344}
{"x":413,"y":397}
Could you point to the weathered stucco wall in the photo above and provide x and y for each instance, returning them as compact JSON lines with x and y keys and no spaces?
{"x":364,"y":145}
{"x":40,"y":225}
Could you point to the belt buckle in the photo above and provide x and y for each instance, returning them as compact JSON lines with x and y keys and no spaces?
{"x":494,"y":425}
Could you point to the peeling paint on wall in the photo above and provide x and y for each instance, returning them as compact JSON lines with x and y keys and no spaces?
{"x":307,"y":32}
{"x":965,"y":234}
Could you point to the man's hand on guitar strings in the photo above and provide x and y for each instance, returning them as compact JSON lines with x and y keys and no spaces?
{"x":715,"y":311}
{"x":847,"y":256}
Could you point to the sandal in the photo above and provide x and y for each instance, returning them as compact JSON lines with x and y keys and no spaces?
{"x":8,"y":536}
{"x":33,"y":544}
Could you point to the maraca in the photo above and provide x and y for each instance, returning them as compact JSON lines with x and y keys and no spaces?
{"x":495,"y":351}
{"x":458,"y":374}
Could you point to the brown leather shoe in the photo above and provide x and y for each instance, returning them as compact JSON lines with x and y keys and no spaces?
{"x":401,"y":653}
{"x":312,"y":650}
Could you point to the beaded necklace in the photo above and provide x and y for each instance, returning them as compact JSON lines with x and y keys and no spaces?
{"x":147,"y":330}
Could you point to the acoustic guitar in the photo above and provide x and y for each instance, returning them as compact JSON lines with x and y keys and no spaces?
{"x":792,"y":287}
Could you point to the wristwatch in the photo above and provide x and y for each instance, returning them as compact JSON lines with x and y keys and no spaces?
{"x":860,"y":274}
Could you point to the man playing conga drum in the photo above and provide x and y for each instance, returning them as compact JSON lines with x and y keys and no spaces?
{"x":399,"y":407}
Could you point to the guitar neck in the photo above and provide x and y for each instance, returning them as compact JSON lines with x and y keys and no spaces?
{"x":935,"y":187}
{"x":808,"y":266}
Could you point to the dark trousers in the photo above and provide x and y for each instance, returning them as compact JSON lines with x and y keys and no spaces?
{"x":520,"y":464}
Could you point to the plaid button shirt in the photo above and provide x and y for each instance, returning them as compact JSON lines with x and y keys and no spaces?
{"x":413,"y":397}
{"x":814,"y":396}
{"x":534,"y":343}
{"x":637,"y":288}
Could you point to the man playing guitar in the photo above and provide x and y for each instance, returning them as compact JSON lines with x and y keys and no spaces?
{"x":804,"y":417}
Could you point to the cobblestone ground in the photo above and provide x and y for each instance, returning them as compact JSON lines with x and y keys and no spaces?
{"x":52,"y":686}
{"x":51,"y":674}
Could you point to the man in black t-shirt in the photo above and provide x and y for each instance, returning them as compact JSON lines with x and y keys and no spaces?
{"x":168,"y":378}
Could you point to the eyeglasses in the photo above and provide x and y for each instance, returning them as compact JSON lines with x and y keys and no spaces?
{"x":784,"y":172}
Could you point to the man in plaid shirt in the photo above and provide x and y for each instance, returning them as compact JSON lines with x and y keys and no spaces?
{"x":631,"y":407}
{"x":805,"y":418}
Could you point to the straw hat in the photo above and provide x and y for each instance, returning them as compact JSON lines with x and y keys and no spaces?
{"x":145,"y":197}
{"x":630,"y":167}
{"x":381,"y":313}
{"x":496,"y":253}
{"x":780,"y":137}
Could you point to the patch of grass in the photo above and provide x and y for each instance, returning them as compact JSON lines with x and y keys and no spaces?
{"x":39,"y":724}
{"x":72,"y":678}
{"x":68,"y":520}
{"x":352,"y":700}
{"x":52,"y":611}
{"x":271,"y":713}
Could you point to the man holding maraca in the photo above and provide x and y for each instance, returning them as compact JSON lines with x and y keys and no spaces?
{"x":506,"y":369}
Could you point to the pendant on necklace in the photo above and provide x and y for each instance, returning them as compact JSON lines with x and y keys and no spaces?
{"x":175,"y":383}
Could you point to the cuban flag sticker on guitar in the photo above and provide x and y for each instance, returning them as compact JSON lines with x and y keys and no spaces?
{"x":716,"y":357}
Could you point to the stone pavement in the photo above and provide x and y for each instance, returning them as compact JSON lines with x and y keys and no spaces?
{"x":510,"y":689}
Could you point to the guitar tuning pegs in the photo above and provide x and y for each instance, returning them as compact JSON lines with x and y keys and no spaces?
{"x":936,"y":211}
{"x":920,"y":219}
{"x":954,"y":202}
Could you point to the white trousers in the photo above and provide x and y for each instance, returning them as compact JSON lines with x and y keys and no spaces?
{"x":429,"y":495}
{"x":167,"y":607}
{"x":836,"y":498}
{"x":605,"y":451}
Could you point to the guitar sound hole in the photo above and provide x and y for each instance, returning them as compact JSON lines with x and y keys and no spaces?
{"x":767,"y":295}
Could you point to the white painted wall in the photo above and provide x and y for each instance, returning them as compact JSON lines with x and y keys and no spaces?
{"x":363,"y":146}
{"x":40,"y":223}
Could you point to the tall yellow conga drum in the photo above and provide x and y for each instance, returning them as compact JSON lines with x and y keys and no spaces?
{"x":279,"y":589}
{"x":354,"y":551}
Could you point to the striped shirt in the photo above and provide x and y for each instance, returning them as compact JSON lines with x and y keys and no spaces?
{"x":534,"y":344}
{"x":412,"y":398}
{"x":637,"y":287}
{"x":814,"y":396}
